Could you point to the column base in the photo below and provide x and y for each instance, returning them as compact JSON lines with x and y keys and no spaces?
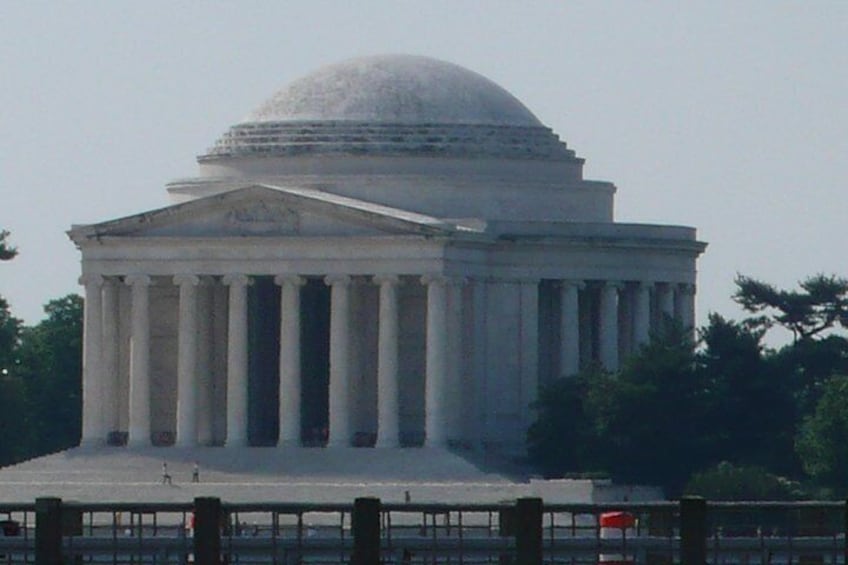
{"x":289,"y":443}
{"x":236,"y":443}
{"x":338,"y":443}
{"x":440,"y":442}
{"x":388,"y":443}
{"x":92,"y":442}
{"x":138,"y":439}
{"x":138,"y":444}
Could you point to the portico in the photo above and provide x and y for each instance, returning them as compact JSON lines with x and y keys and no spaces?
{"x":599,"y":321}
{"x":386,"y":292}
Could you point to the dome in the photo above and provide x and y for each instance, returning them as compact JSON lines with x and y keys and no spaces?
{"x":391,"y":105}
{"x":397,"y":89}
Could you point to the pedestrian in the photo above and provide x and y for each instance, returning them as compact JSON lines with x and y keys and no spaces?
{"x":195,"y":473}
{"x":166,"y":477}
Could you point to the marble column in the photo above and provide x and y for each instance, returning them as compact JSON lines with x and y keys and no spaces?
{"x":609,"y":326}
{"x":139,"y":405}
{"x":237,"y":361}
{"x":388,"y":404}
{"x":339,"y":402}
{"x":187,"y":361}
{"x":642,"y":314}
{"x":205,"y":348}
{"x":455,"y":399}
{"x":569,"y":353}
{"x":529,"y":348}
{"x":110,"y":370}
{"x":478,"y":404}
{"x":665,"y":301}
{"x":686,"y":301}
{"x":290,"y":398}
{"x":92,"y":375}
{"x":435,"y":428}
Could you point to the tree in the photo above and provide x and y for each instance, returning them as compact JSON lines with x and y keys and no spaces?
{"x":643,"y":424}
{"x":752,"y":408}
{"x":10,"y":327}
{"x":14,"y":444}
{"x":651,"y":419}
{"x":51,"y":365}
{"x":7,"y":252}
{"x":726,"y":481}
{"x":811,"y":313}
{"x":13,"y":416}
{"x":10,"y":331}
{"x":561,"y":440}
{"x":821,"y":304}
{"x":822,"y":440}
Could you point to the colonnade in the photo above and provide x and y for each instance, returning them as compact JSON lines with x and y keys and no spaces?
{"x":644,"y":303}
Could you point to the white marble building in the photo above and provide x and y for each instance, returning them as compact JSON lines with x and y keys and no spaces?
{"x":391,"y":251}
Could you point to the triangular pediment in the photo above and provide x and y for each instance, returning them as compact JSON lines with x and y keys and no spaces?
{"x":269,"y":211}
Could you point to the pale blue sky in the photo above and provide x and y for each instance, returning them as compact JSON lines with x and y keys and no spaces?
{"x":728,"y":116}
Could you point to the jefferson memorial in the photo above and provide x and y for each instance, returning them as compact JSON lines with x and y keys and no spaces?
{"x":392,"y":251}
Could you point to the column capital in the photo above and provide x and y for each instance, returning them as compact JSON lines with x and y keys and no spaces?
{"x":579,"y":284}
{"x":435,"y":278}
{"x":333,"y":280}
{"x":617,"y":285}
{"x":186,"y":279}
{"x":390,"y":280}
{"x":457,"y":281}
{"x":294,"y":280}
{"x":687,"y":289}
{"x":91,"y":279}
{"x":137,"y":280}
{"x":645,"y":285}
{"x":236,"y":279}
{"x":206,"y":280}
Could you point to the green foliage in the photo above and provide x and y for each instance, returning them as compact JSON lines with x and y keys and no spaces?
{"x":13,"y":413}
{"x":821,"y":304}
{"x":822,"y":441}
{"x":649,"y":418}
{"x":10,"y":333}
{"x":7,"y":252}
{"x":51,"y":363}
{"x":560,"y":440}
{"x":640,"y":425}
{"x":40,"y":374}
{"x":726,"y":481}
{"x":671,"y":411}
{"x":752,"y":411}
{"x":15,"y":440}
{"x":806,"y":366}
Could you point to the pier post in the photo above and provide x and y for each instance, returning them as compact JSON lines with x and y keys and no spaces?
{"x":365,"y":523}
{"x":207,"y":530}
{"x":48,"y":531}
{"x":528,"y":531}
{"x":693,"y":530}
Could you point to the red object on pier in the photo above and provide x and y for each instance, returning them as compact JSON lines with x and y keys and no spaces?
{"x":617,"y":525}
{"x":619,"y":520}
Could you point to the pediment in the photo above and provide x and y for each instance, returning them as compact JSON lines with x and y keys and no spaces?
{"x":264,"y":211}
{"x":258,"y":218}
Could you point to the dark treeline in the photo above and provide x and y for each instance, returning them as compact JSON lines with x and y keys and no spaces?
{"x":40,"y":381}
{"x":40,"y":377}
{"x":724,"y":416}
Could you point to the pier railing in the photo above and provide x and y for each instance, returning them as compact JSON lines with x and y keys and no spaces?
{"x":526,"y":532}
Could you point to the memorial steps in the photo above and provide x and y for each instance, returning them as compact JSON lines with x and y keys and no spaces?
{"x":257,"y":474}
